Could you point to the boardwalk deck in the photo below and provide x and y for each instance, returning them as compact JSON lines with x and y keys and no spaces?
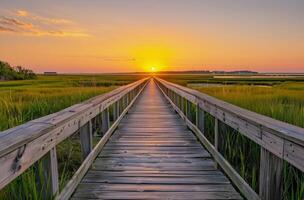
{"x":152,"y":155}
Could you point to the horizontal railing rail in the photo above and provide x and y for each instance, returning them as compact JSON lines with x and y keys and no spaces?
{"x":22,"y":146}
{"x":278,"y":140}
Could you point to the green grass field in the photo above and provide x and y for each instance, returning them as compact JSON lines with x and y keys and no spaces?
{"x":24,"y":100}
{"x":21,"y":101}
{"x":279,"y":98}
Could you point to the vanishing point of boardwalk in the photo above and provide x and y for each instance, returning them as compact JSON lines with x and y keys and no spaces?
{"x":153,"y":155}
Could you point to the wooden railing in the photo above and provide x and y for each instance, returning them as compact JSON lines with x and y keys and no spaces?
{"x":278,"y":140}
{"x":22,"y":146}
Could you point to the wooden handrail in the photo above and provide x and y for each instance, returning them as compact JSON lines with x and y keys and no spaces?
{"x":22,"y":146}
{"x":278,"y":140}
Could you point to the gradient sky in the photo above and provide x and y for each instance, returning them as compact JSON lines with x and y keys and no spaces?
{"x":136,"y":35}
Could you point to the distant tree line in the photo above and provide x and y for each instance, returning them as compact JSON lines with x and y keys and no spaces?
{"x":7,"y":72}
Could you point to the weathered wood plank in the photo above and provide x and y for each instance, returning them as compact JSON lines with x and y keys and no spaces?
{"x":271,"y":176}
{"x":153,"y":147}
{"x":86,"y":139}
{"x":22,"y":146}
{"x":86,"y":164}
{"x":50,"y":185}
{"x":92,"y":187}
{"x":200,"y":119}
{"x":158,"y":195}
{"x":269,"y":133}
{"x":105,"y":120}
{"x":246,"y":190}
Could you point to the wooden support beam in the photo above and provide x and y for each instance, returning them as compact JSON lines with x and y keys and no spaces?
{"x":127,"y":99}
{"x":271,"y":174}
{"x":124,"y":100}
{"x":49,"y":186}
{"x":182,"y":101}
{"x":86,"y":139}
{"x":174,"y":98}
{"x":216,"y":137}
{"x":179,"y":100}
{"x":188,"y":110}
{"x":200,"y":119}
{"x":105,"y":120}
{"x":116,"y":110}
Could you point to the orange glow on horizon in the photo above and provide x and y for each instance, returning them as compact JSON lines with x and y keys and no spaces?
{"x":173,"y":40}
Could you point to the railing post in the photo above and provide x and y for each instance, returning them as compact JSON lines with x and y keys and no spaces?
{"x":200,"y":118}
{"x":124,"y":100}
{"x":174,"y":98}
{"x":188,"y":109}
{"x":105,"y":120}
{"x":128,"y":99}
{"x":50,"y":185}
{"x":116,"y":110}
{"x":86,"y":139}
{"x":216,"y":137}
{"x":182,"y":104}
{"x":271,"y":168}
{"x":121,"y":102}
{"x":178,"y":101}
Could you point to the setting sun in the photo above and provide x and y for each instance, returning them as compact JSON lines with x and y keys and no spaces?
{"x":195,"y":99}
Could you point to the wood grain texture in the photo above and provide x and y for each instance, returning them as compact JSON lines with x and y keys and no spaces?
{"x":271,"y":176}
{"x":152,"y":155}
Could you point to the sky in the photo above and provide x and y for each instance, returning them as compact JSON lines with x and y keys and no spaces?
{"x":102,"y":36}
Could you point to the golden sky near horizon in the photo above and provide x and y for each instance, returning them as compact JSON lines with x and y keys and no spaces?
{"x":133,"y":35}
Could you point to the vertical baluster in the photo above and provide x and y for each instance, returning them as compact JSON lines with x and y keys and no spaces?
{"x":105,"y":120}
{"x":179,"y":101}
{"x":116,"y":110}
{"x":182,"y":104}
{"x":127,"y":99}
{"x":50,"y":185}
{"x":200,"y":118}
{"x":174,"y":98}
{"x":124,"y":102}
{"x":86,"y":139}
{"x":121,"y":102}
{"x":216,"y":137}
{"x":188,"y":109}
{"x":271,"y":168}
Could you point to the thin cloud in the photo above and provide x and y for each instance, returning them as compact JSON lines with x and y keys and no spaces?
{"x":23,"y":22}
{"x":21,"y":13}
{"x":120,"y":59}
{"x":14,"y":22}
{"x":106,"y":58}
{"x":43,"y":19}
{"x":5,"y":29}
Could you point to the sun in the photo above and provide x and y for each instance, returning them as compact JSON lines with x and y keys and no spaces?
{"x":153,"y":69}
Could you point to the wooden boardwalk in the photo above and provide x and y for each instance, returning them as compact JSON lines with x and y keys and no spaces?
{"x":152,"y":155}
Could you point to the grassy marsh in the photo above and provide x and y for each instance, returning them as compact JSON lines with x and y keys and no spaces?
{"x":279,"y":98}
{"x":24,"y":100}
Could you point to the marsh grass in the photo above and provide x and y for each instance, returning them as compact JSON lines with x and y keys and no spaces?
{"x":282,"y":99}
{"x":283,"y":102}
{"x":22,"y":101}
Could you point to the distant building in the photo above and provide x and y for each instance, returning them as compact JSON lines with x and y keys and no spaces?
{"x":50,"y":73}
